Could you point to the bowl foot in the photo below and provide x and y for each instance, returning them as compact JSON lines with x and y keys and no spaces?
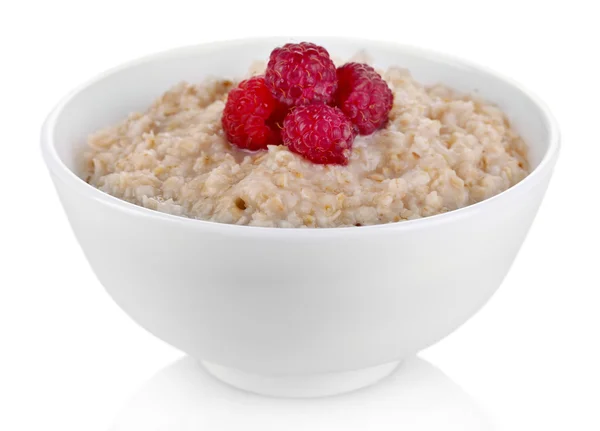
{"x":301,"y":386}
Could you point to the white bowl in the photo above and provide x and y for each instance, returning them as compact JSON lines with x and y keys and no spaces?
{"x":294,"y":312}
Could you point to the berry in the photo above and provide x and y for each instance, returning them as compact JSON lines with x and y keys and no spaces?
{"x":251,"y":115}
{"x":320,"y":133}
{"x":363,"y":96}
{"x":301,"y":74}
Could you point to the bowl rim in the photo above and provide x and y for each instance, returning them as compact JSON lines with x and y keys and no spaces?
{"x":68,"y":177}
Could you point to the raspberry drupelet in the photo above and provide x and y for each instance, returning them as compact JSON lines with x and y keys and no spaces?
{"x":320,"y":133}
{"x":363,"y":96}
{"x":252,"y":117}
{"x":301,"y":74}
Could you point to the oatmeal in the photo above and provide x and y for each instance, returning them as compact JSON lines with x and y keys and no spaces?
{"x":438,"y":152}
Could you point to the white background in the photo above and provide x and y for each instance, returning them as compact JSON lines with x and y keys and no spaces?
{"x":72,"y":361}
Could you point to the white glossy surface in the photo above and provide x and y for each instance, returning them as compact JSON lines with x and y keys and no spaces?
{"x":416,"y":397}
{"x":71,"y":359}
{"x":383,"y":293}
{"x":301,"y":385}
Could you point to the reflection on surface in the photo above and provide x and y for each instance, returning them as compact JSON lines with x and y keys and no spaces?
{"x":183,"y":397}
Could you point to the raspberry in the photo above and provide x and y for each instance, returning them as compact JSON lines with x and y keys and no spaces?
{"x":251,"y":115}
{"x":363,"y":96}
{"x":320,"y":133}
{"x":301,"y":74}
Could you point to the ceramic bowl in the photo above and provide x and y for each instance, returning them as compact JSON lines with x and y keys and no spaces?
{"x":294,"y":312}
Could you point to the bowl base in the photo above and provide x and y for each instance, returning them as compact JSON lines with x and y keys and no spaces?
{"x":301,"y":386}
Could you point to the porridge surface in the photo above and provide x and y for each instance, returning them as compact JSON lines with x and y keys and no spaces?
{"x":440,"y":151}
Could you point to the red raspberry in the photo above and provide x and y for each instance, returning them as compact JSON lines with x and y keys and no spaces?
{"x":251,"y":115}
{"x":320,"y":133}
{"x":363,"y":96}
{"x":301,"y":74}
